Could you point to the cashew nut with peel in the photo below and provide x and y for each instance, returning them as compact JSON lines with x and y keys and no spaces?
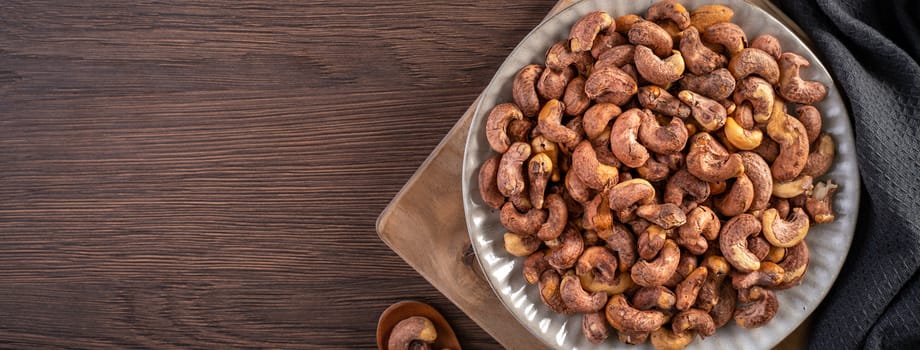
{"x":497,"y":125}
{"x":583,"y":32}
{"x":522,"y":223}
{"x":782,"y":232}
{"x":540,"y":144}
{"x":656,"y":272}
{"x":794,"y":265}
{"x":717,"y":85}
{"x":704,"y":16}
{"x":520,"y":245}
{"x":577,"y":189}
{"x":510,"y":177}
{"x":710,"y":162}
{"x":624,"y":139}
{"x":566,"y":255}
{"x":821,"y":158}
{"x":488,"y":184}
{"x":702,"y":225}
{"x":612,"y":83}
{"x":662,"y":139}
{"x":591,"y":171}
{"x":576,"y":299}
{"x":688,"y":289}
{"x":687,"y":263}
{"x":659,"y":297}
{"x":810,"y":118}
{"x":575,"y":99}
{"x":759,"y":93}
{"x":738,"y":199}
{"x":751,"y":61}
{"x":709,"y":113}
{"x":667,"y":215}
{"x":733,"y":242}
{"x":769,"y":44}
{"x":727,"y":34}
{"x":693,"y":320}
{"x":759,"y":308}
{"x":759,"y":246}
{"x":550,"y":125}
{"x":599,"y":262}
{"x":758,"y":172}
{"x":793,"y":188}
{"x":534,"y":266}
{"x":626,"y":196}
{"x":597,"y":119}
{"x":617,"y":56}
{"x":594,"y":327}
{"x":792,"y":87}
{"x":539,"y":172}
{"x":819,"y":203}
{"x":698,"y":58}
{"x":725,"y":306}
{"x":626,"y":318}
{"x":556,"y":220}
{"x":647,"y":33}
{"x":656,"y":70}
{"x":740,"y":137}
{"x":768,"y":275}
{"x":415,"y":328}
{"x":549,"y":286}
{"x":620,"y":240}
{"x":551,"y":84}
{"x":665,"y":339}
{"x":659,"y":100}
{"x":650,"y":242}
{"x":524,"y":90}
{"x":625,"y":22}
{"x":605,"y":41}
{"x":685,"y":190}
{"x":708,"y":296}
{"x":669,"y":10}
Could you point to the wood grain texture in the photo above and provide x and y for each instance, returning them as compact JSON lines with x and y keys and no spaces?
{"x":208,"y":174}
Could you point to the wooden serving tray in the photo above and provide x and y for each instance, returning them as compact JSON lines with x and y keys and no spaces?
{"x":425,"y":225}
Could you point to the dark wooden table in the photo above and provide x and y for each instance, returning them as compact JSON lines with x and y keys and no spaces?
{"x":207,"y":174}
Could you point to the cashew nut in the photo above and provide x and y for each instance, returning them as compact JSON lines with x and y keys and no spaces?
{"x":794,"y":265}
{"x":534,"y":266}
{"x":793,"y":188}
{"x":621,"y":241}
{"x":758,"y":172}
{"x":702,"y":225}
{"x":576,"y":299}
{"x":667,"y":215}
{"x":549,"y":286}
{"x":583,"y":32}
{"x":710,"y":114}
{"x":687,"y":263}
{"x":626,"y":318}
{"x":552,"y":83}
{"x":698,"y":58}
{"x":664,"y":339}
{"x":733,"y":242}
{"x":510,"y":177}
{"x":540,"y":144}
{"x":634,"y":338}
{"x":654,"y":170}
{"x":759,"y":93}
{"x":575,"y":99}
{"x":617,"y":56}
{"x":623,"y":139}
{"x":751,"y":61}
{"x":605,"y":41}
{"x":488,"y":185}
{"x":759,"y":246}
{"x":415,"y":328}
{"x":694,"y":320}
{"x":520,"y":245}
{"x":740,"y":137}
{"x":599,"y":262}
{"x":586,"y":166}
{"x":810,"y":118}
{"x":556,"y":220}
{"x":704,"y":16}
{"x":659,"y":100}
{"x":793,"y":146}
{"x":626,"y":196}
{"x":821,"y":158}
{"x":594,"y":327}
{"x":522,"y":223}
{"x":785,"y":233}
{"x":669,"y":10}
{"x":688,"y":289}
{"x":738,"y":199}
{"x":597,"y":119}
{"x":727,"y":34}
{"x":659,"y":297}
{"x":725,"y":307}
{"x":550,"y":125}
{"x":597,"y":214}
{"x":708,"y":296}
{"x":656,"y":70}
{"x":662,"y":139}
{"x":571,"y":247}
{"x":819,"y":203}
{"x":683,"y":184}
{"x":625,"y":22}
{"x":576,"y":188}
{"x":612,"y":83}
{"x":768,"y":275}
{"x":524,"y":90}
{"x":647,"y":33}
{"x":710,"y":162}
{"x":769,"y":44}
{"x":717,"y":85}
{"x":539,"y":171}
{"x":651,"y":240}
{"x":497,"y":126}
{"x":792,"y":87}
{"x":759,"y":310}
{"x":651,"y":273}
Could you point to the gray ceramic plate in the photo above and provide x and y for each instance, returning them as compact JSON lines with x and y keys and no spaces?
{"x":828,"y":243}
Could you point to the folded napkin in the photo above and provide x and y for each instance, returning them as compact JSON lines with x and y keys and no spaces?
{"x":872,"y":49}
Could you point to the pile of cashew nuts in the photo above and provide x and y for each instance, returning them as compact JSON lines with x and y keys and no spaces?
{"x":652,"y":177}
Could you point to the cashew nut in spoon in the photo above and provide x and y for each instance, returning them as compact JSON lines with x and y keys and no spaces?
{"x":409,"y":330}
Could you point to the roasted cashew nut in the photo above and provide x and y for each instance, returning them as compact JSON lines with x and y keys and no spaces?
{"x":647,"y":33}
{"x":575,"y":99}
{"x":725,"y":307}
{"x":793,"y":188}
{"x":709,"y":113}
{"x":794,"y":265}
{"x":687,"y":263}
{"x":617,"y":56}
{"x":792,"y":87}
{"x":738,"y":199}
{"x":662,"y":139}
{"x":620,"y":240}
{"x":685,"y":190}
{"x":651,"y":273}
{"x":733,"y":242}
{"x":665,"y":339}
{"x":752,"y":61}
{"x":702,"y":225}
{"x":594,"y":327}
{"x":549,"y":286}
{"x":540,"y":144}
{"x":522,"y":223}
{"x":624,"y":139}
{"x":667,"y":215}
{"x":552,"y":83}
{"x":704,"y":16}
{"x":605,"y":41}
{"x":717,"y":85}
{"x":612,"y":83}
{"x":740,"y":137}
{"x":576,"y":299}
{"x":647,"y":298}
{"x":710,"y":162}
{"x":659,"y":100}
{"x":708,"y":296}
{"x":534,"y":266}
{"x":597,"y":119}
{"x":810,"y":118}
{"x":688,"y":289}
{"x":415,"y":328}
{"x":759,"y":310}
{"x":599,"y":262}
{"x":769,"y":44}
{"x":549,"y":123}
{"x":698,"y":58}
{"x":488,"y":184}
{"x":497,"y":126}
{"x":510,"y":177}
{"x":597,"y":214}
{"x":669,"y":10}
{"x":626,"y":318}
{"x":626,"y":196}
{"x":556,"y":220}
{"x":819,"y":203}
{"x":785,"y":233}
{"x":759,"y":246}
{"x":650,"y":242}
{"x":659,"y":71}
{"x":591,"y":171}
{"x":524,"y":90}
{"x":727,"y":34}
{"x":539,"y":172}
{"x":768,"y":275}
{"x":520,"y":245}
{"x":759,"y":93}
{"x":583,"y":32}
{"x":571,"y":247}
{"x":821,"y":158}
{"x":758,"y":172}
{"x":625,"y":22}
{"x":577,"y":189}
{"x":693,"y":320}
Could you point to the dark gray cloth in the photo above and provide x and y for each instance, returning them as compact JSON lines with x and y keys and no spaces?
{"x":872,"y":48}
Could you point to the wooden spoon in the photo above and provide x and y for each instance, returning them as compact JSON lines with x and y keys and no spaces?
{"x":405,"y":309}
